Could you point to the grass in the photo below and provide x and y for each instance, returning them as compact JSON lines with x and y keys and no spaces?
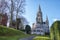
{"x":41,"y":38}
{"x":11,"y":37}
{"x":10,"y":33}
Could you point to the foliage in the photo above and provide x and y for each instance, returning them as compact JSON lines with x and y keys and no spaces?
{"x":10,"y":37}
{"x":55,"y":31}
{"x":41,"y":38}
{"x":28,"y":29}
{"x":47,"y":34}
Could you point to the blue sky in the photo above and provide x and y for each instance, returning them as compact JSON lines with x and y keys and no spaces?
{"x":51,"y":8}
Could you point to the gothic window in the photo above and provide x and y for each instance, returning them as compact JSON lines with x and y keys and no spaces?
{"x":34,"y":30}
{"x":39,"y":27}
{"x":38,"y":30}
{"x":39,"y":19}
{"x":41,"y":31}
{"x":38,"y":15}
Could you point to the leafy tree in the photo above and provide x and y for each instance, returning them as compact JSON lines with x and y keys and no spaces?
{"x":55,"y":31}
{"x":28,"y":29}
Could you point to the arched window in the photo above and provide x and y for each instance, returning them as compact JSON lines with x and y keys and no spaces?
{"x":34,"y":30}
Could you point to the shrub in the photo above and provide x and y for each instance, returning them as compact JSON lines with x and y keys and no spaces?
{"x":28,"y":29}
{"x":41,"y":38}
{"x":55,"y":31}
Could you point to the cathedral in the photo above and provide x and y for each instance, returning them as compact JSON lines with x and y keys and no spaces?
{"x":40,"y":27}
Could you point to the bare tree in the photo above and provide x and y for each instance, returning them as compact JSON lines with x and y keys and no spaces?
{"x":13,"y":6}
{"x":3,"y":6}
{"x":12,"y":10}
{"x":19,"y":8}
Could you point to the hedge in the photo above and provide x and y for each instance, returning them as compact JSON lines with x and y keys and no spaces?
{"x":55,"y":31}
{"x":41,"y":38}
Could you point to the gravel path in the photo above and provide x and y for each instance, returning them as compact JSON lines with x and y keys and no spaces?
{"x":28,"y":38}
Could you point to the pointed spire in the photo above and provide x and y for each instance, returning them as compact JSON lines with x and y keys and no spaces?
{"x":39,"y":8}
{"x":47,"y":21}
{"x":46,"y":17}
{"x":39,"y":17}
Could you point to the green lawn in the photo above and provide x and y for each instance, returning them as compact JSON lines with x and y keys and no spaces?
{"x":41,"y":38}
{"x":11,"y":34}
{"x":11,"y":37}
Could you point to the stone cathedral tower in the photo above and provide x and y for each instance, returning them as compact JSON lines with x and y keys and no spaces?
{"x":40,"y":27}
{"x":47,"y":21}
{"x":39,"y":16}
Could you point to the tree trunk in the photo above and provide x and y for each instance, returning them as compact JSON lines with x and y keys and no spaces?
{"x":11,"y":18}
{"x":16,"y":19}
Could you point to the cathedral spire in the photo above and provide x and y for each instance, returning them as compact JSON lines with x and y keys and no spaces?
{"x":47,"y":21}
{"x":39,"y":18}
{"x":39,"y":8}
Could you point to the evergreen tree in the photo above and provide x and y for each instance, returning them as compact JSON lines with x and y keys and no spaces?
{"x":28,"y":29}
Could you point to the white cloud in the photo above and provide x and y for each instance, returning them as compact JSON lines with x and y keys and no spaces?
{"x":55,"y":19}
